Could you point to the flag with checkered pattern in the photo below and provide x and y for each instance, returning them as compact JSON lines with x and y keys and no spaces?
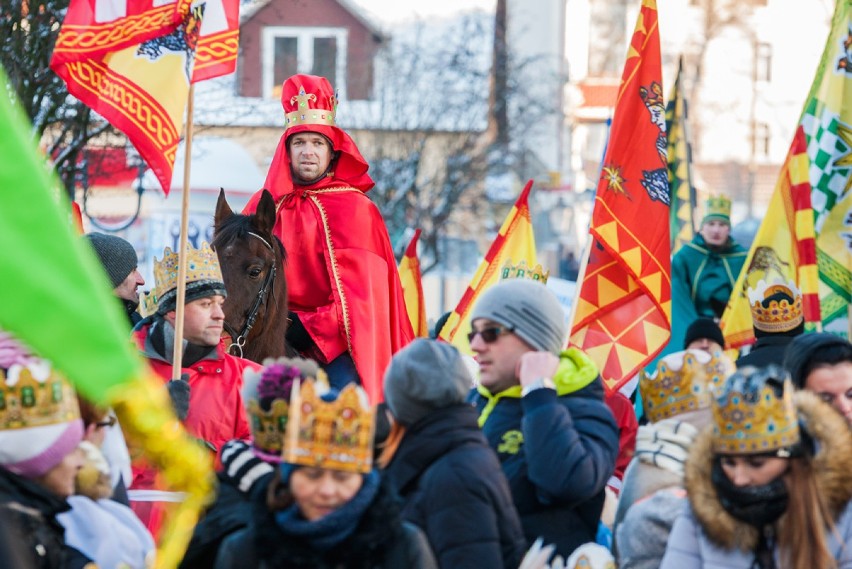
{"x":680,"y":172}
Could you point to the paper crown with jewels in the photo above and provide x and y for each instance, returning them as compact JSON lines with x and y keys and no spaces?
{"x":203,"y":278}
{"x":308,"y":100}
{"x":718,"y":208}
{"x":35,"y":396}
{"x":266,"y":396}
{"x":753,"y":413}
{"x":522,"y":271}
{"x":780,"y":314}
{"x":682,"y":382}
{"x":336,"y":434}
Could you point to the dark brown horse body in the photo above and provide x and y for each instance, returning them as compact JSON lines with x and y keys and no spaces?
{"x":252,"y":261}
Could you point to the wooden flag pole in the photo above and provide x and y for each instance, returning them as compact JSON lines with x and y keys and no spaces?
{"x":177,"y":355}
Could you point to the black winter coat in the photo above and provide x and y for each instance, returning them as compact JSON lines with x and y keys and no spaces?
{"x":767,"y":350}
{"x":381,"y":541}
{"x":455,"y":490}
{"x":28,"y":512}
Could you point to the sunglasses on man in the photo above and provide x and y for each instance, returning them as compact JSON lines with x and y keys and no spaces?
{"x":490,"y":334}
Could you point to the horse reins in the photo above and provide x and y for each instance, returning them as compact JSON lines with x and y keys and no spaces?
{"x":239,"y":341}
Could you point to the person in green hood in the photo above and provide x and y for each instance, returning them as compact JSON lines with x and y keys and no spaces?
{"x":542,"y":410}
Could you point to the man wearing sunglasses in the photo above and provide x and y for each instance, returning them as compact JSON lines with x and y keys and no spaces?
{"x":542,"y":410}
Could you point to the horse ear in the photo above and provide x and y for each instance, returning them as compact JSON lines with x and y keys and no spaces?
{"x":265,"y":214}
{"x":223,"y":210}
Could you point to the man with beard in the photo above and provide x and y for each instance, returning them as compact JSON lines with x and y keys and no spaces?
{"x":121,"y":264}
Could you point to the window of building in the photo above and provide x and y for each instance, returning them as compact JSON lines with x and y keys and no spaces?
{"x":315,"y":51}
{"x":763,"y":62}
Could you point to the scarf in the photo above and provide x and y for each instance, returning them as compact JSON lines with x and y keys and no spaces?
{"x":333,"y":529}
{"x":665,"y":444}
{"x":162,"y":335}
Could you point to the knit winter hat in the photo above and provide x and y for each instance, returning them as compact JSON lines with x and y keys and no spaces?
{"x":703,"y":327}
{"x":117,"y":256}
{"x":805,"y":350}
{"x":425,"y":376}
{"x":529,"y":309}
{"x":40,"y":422}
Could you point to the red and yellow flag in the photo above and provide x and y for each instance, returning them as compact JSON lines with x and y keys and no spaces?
{"x":132,"y":63}
{"x":412,"y":288}
{"x":514,"y":243}
{"x":785,"y":247}
{"x":623,"y":310}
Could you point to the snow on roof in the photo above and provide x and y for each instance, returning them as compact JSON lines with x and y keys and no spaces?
{"x":216,"y":163}
{"x":433,"y":75}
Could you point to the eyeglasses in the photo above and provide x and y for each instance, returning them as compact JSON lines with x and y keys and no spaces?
{"x":108,"y":422}
{"x":489,"y":335}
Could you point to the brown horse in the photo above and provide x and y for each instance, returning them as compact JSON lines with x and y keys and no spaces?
{"x":252,"y":261}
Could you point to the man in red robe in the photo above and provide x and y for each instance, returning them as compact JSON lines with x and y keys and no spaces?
{"x":348,"y":310}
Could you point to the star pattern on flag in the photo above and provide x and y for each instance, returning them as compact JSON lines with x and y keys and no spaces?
{"x":614,"y":180}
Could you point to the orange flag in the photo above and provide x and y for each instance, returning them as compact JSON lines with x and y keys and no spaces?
{"x":514,"y":244}
{"x":412,"y":288}
{"x":623,"y":310}
{"x":133,"y":62}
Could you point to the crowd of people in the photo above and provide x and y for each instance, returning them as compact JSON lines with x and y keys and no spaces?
{"x":371,"y":449}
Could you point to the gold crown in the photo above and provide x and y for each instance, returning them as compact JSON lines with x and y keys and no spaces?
{"x":337,"y":435}
{"x":750,"y":418}
{"x":652,"y":95}
{"x":682,"y":382}
{"x":201,"y":265}
{"x":717,"y":206}
{"x":35,"y":396}
{"x":521,"y":271}
{"x":304,"y":114}
{"x":778,"y":316}
{"x":268,"y":426}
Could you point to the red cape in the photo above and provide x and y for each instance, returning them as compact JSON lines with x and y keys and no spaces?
{"x":342,"y":277}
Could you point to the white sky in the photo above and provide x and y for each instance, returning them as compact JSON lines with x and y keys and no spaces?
{"x":392,"y":11}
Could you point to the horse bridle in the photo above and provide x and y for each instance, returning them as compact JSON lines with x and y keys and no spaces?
{"x":239,"y":340}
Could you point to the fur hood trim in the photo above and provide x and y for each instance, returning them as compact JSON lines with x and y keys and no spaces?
{"x":832,"y":466}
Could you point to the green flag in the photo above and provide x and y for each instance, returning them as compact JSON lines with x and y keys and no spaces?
{"x":679,"y":163}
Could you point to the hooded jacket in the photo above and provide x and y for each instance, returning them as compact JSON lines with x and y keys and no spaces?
{"x":557,"y":449}
{"x":453,"y":488}
{"x":707,"y":536}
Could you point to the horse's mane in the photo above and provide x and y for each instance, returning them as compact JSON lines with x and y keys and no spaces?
{"x":236,"y":228}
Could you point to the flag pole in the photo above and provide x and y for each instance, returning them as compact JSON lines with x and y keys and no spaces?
{"x":177,"y":355}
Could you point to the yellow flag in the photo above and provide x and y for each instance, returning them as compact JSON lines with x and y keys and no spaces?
{"x":412,"y":288}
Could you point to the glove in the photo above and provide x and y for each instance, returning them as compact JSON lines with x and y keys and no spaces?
{"x":297,"y":335}
{"x":241,"y":467}
{"x":179,"y":392}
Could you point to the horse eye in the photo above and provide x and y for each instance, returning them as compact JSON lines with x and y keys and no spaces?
{"x":254,"y":273}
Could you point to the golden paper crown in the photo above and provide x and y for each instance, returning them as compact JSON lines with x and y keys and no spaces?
{"x":751,"y":417}
{"x":35,"y":396}
{"x":718,"y":207}
{"x":521,"y":271}
{"x":201,"y":265}
{"x":682,"y":382}
{"x":307,"y":114}
{"x":269,"y":426}
{"x":777,"y":316}
{"x":337,"y":435}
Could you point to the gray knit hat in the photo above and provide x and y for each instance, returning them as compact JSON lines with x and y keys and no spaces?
{"x":425,"y":376}
{"x":529,"y":308}
{"x":117,"y":256}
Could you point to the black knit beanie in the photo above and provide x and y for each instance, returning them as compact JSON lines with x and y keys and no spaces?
{"x":804,"y":351}
{"x":117,"y":256}
{"x":703,"y":327}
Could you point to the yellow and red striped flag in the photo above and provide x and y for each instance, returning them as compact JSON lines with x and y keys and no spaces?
{"x":132,"y":62}
{"x":412,"y":288}
{"x":784,"y":247}
{"x":514,"y":243}
{"x":623,"y":308}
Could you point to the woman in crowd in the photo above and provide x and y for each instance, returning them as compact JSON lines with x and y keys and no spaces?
{"x":439,"y":461}
{"x":769,"y":485}
{"x":325,"y":507}
{"x":40,"y":429}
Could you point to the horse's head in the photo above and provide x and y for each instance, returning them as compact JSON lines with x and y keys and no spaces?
{"x":252,"y":261}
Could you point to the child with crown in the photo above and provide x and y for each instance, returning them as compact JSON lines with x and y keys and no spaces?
{"x":207,"y":397}
{"x":769,"y":482}
{"x":317,"y":500}
{"x":704,"y":270}
{"x":343,"y":289}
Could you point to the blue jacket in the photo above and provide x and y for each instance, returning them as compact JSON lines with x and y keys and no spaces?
{"x":454,"y":490}
{"x":557,"y":449}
